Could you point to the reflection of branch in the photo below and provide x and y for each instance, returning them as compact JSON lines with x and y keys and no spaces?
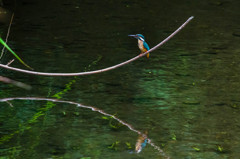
{"x":88,"y":107}
{"x":16,"y":83}
{"x":102,"y":70}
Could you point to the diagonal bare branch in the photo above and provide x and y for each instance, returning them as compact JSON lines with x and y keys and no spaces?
{"x":105,"y":69}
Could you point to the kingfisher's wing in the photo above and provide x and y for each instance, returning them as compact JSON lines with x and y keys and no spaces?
{"x":146,"y":45}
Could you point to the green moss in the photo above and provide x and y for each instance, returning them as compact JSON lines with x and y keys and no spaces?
{"x":128,"y":144}
{"x":114,"y":146}
{"x":220,"y":148}
{"x":196,"y":149}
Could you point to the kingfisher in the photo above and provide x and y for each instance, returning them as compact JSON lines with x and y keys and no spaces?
{"x":143,"y":46}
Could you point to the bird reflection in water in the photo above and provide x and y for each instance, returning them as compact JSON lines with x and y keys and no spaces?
{"x":141,"y":142}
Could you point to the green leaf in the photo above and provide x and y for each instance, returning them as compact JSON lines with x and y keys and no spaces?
{"x":9,"y":49}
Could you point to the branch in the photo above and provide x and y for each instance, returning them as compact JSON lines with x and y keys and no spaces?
{"x":101,"y":70}
{"x":8,"y":32}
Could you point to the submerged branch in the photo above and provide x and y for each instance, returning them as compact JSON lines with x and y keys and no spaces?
{"x":16,"y":83}
{"x":105,"y":69}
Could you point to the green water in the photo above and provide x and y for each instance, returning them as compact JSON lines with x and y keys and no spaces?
{"x":186,"y":95}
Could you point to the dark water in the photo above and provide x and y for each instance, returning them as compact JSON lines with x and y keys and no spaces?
{"x":186,"y":95}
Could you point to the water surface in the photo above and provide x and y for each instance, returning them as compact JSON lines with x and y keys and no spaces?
{"x":186,"y":95}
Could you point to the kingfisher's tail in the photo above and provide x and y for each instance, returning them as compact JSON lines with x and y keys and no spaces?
{"x":148,"y":55}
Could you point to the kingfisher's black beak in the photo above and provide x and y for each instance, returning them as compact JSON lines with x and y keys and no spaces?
{"x":135,"y":36}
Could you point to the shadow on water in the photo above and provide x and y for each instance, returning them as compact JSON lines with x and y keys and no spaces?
{"x":186,"y":95}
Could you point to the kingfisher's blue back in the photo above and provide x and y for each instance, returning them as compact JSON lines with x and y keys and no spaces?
{"x":146,"y":45}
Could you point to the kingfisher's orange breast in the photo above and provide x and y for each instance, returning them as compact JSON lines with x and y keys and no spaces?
{"x":141,"y":47}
